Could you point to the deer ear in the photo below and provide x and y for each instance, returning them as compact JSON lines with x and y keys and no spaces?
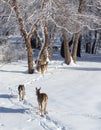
{"x":39,"y":88}
{"x":36,"y":88}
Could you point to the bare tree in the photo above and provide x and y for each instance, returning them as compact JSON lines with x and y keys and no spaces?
{"x":7,"y":22}
{"x":26,"y":36}
{"x":66,"y":15}
{"x":25,"y":20}
{"x":73,"y":15}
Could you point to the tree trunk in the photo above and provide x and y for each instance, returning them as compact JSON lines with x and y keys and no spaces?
{"x":39,"y":40}
{"x":42,"y":62}
{"x":66,"y":49}
{"x":62,"y":49}
{"x":30,"y":56}
{"x":93,"y":46}
{"x":75,"y":46}
{"x":79,"y":47}
{"x":51,"y":48}
{"x":52,"y":43}
{"x":43,"y":55}
{"x":77,"y":36}
{"x":24,"y":34}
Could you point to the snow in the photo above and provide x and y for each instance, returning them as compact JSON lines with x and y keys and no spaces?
{"x":74,"y":93}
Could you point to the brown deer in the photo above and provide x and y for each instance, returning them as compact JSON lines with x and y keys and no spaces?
{"x":42,"y":67}
{"x":21,"y":92}
{"x":42,"y":99}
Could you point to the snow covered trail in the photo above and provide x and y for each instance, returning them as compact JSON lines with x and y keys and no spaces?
{"x":47,"y":122}
{"x":11,"y":108}
{"x":26,"y":107}
{"x":74,"y":96}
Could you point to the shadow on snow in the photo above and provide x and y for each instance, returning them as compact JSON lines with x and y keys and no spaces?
{"x":5,"y":96}
{"x":11,"y":110}
{"x":24,"y":72}
{"x":85,"y":68}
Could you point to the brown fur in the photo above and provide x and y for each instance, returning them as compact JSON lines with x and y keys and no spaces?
{"x":42,"y":99}
{"x":21,"y":92}
{"x":42,"y":68}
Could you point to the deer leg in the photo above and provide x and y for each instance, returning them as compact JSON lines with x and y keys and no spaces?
{"x":23,"y":95}
{"x":45,"y":108}
{"x":41,"y":109}
{"x":19,"y":96}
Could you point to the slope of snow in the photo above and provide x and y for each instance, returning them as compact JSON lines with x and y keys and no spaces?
{"x":74,"y":96}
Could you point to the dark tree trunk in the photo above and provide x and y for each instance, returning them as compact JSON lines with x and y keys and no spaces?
{"x":93,"y":46}
{"x":88,"y":47}
{"x":30,"y":56}
{"x":66,"y":49}
{"x":79,"y":48}
{"x":75,"y":46}
{"x":62,"y":49}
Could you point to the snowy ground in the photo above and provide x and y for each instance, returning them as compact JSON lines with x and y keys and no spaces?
{"x":74,"y":96}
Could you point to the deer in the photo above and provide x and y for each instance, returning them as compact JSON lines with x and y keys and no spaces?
{"x":21,"y":92}
{"x":42,"y":99}
{"x":42,"y":67}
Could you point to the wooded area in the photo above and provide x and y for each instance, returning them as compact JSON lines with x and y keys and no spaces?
{"x":75,"y":23}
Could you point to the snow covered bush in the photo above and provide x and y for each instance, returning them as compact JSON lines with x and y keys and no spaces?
{"x":12,"y":52}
